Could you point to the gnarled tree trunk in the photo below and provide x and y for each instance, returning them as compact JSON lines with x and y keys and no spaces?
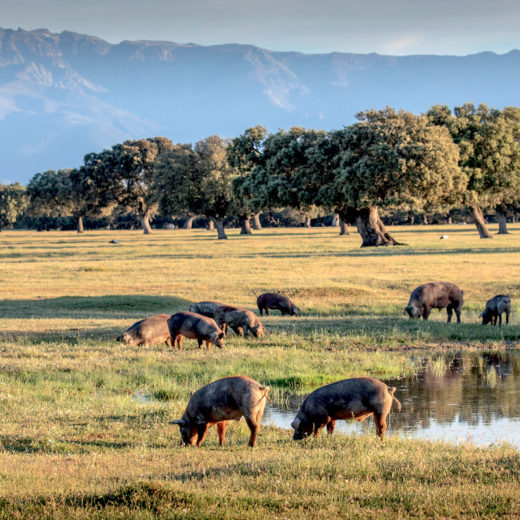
{"x":372,"y":230}
{"x":219,"y":224}
{"x":343,"y":227}
{"x":307,"y":222}
{"x":245,"y":226}
{"x":189,"y":222}
{"x":257,"y":226}
{"x":335,"y":220}
{"x":80,"y":225}
{"x":478,"y":217}
{"x":211,"y":225}
{"x":502,"y":223}
{"x":145,"y":222}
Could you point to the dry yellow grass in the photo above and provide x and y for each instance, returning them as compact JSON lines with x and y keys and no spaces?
{"x":77,"y":439}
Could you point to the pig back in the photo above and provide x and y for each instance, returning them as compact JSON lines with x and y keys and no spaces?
{"x":274,"y":301}
{"x":223,"y":398}
{"x":499,"y":303}
{"x":353,"y":395}
{"x":192,"y":321}
{"x":207,"y":309}
{"x":437,"y":294}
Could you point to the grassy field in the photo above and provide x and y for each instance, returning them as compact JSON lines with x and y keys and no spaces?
{"x":84,"y":421}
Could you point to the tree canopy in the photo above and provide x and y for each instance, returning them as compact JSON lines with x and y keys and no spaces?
{"x":13,"y":202}
{"x":489,"y":143}
{"x":198,"y":180}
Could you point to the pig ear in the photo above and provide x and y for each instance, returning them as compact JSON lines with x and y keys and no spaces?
{"x":221,"y":335}
{"x":180,"y":422}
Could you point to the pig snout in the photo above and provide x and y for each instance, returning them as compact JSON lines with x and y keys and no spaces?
{"x":301,"y":429}
{"x":412,"y":311}
{"x":217,"y":338}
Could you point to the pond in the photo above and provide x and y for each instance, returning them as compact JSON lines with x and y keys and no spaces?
{"x":464,"y":397}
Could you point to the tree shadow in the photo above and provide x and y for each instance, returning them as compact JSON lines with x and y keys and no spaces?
{"x":394,"y":329}
{"x":84,"y":307}
{"x":16,"y":444}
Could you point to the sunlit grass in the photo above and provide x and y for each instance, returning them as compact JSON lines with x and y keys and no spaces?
{"x":84,"y":422}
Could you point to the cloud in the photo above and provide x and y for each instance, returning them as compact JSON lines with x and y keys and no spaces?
{"x":403,"y":44}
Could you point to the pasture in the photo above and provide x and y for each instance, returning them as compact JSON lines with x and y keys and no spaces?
{"x":84,"y":420}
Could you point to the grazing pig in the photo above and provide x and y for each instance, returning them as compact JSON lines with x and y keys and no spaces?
{"x":207,"y":309}
{"x":279,"y":302}
{"x":195,"y":326}
{"x":241,"y":321}
{"x":435,"y":295}
{"x":494,"y":309}
{"x":221,"y":401}
{"x":148,"y":331}
{"x":355,"y":398}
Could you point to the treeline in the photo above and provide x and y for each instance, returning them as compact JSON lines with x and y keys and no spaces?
{"x":388,"y":163}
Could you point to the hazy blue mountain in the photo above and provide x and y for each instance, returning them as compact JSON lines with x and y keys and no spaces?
{"x":64,"y":95}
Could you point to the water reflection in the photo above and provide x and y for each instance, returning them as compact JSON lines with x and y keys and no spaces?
{"x":473,"y":397}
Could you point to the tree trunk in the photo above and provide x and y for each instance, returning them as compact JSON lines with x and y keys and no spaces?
{"x":145,"y":222}
{"x":480,"y":223}
{"x":502,"y":223}
{"x":412,"y":219}
{"x":515,"y":216}
{"x":245,"y":226}
{"x":307,"y":221}
{"x":425,"y":219}
{"x":189,"y":222}
{"x":372,"y":230}
{"x":80,"y":225}
{"x":335,"y":220}
{"x":219,"y":224}
{"x":343,"y":227}
{"x":211,"y":225}
{"x":256,"y":222}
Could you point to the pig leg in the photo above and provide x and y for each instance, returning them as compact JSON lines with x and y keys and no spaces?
{"x":202,"y":429}
{"x":457,"y":313}
{"x":261,"y":311}
{"x":380,"y":421}
{"x":223,"y":326}
{"x":507,"y":318}
{"x":363,"y":416}
{"x":426,"y":312}
{"x":199,"y":341}
{"x":178,"y":341}
{"x":267,"y":311}
{"x":168,"y":341}
{"x":318,"y":425}
{"x":500,"y":320}
{"x":221,"y":428}
{"x":449,"y":310}
{"x":330,"y":427}
{"x":253,"y":426}
{"x":207,"y":344}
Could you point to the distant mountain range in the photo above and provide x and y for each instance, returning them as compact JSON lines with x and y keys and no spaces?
{"x":64,"y":95}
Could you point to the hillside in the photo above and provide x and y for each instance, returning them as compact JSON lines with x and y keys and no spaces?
{"x":64,"y":95}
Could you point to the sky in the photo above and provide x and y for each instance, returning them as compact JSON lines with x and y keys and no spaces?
{"x":397,"y":27}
